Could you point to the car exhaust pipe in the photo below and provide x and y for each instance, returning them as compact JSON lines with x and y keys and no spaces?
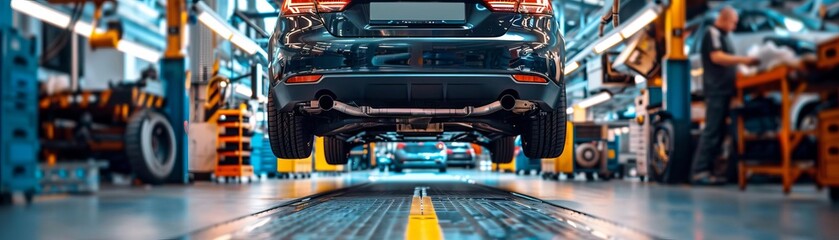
{"x":506,"y":103}
{"x":326,"y":102}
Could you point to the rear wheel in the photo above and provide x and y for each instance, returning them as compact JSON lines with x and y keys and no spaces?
{"x":150,"y":146}
{"x":544,"y":135}
{"x":290,"y":134}
{"x":503,"y":149}
{"x":834,"y":194}
{"x":662,"y":146}
{"x":336,"y":151}
{"x":442,"y":170}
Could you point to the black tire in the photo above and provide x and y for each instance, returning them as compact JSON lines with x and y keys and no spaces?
{"x":336,"y":151}
{"x":503,"y":149}
{"x":661,"y":149}
{"x":570,"y":176}
{"x":150,"y":146}
{"x":290,"y":135}
{"x":397,"y":170}
{"x":834,"y":194}
{"x":442,"y":170}
{"x":544,"y":135}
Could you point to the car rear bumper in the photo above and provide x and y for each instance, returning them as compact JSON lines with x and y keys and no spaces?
{"x":420,"y":164}
{"x":460,"y":162}
{"x":429,"y":90}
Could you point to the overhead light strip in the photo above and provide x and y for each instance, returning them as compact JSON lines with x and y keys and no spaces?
{"x":623,"y":32}
{"x":594,"y":100}
{"x":216,"y":23}
{"x":60,"y":19}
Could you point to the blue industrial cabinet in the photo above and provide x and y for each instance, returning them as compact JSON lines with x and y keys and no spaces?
{"x":18,"y":116}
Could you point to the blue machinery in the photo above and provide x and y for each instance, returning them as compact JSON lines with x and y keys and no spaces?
{"x":673,"y":125}
{"x":18,"y":111}
{"x":173,"y":71}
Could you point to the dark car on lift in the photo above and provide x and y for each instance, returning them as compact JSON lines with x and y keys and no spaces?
{"x":358,"y":71}
{"x":460,"y":154}
{"x":421,"y":155}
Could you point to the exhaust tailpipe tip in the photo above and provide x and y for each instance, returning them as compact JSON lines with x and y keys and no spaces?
{"x":508,"y":102}
{"x":326,"y":102}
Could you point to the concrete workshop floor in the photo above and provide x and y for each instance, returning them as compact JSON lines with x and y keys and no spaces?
{"x":673,"y":212}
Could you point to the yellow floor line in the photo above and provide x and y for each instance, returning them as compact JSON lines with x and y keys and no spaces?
{"x":422,"y":222}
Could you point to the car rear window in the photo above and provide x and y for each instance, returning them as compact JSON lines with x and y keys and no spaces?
{"x":421,"y":148}
{"x":457,"y":145}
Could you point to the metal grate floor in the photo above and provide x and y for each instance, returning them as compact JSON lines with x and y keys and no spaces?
{"x":381,"y":211}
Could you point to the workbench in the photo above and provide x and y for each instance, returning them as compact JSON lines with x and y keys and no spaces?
{"x":777,"y":79}
{"x":780,"y":79}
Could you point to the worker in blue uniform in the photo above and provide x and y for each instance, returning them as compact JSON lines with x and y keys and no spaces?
{"x":720,"y":72}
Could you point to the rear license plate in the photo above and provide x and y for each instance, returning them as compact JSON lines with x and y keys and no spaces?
{"x":417,"y":13}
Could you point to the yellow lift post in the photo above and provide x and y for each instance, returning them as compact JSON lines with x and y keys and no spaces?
{"x":564,"y":164}
{"x":320,"y":159}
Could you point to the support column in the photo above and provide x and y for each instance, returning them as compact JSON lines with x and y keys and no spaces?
{"x":677,"y":92}
{"x":174,"y":72}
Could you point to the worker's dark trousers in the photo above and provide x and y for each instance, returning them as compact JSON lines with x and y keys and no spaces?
{"x":710,"y":143}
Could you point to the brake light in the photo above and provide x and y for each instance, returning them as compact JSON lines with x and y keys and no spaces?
{"x":400,"y":146}
{"x":502,"y":5}
{"x":449,"y":151}
{"x":470,"y":151}
{"x":326,"y":6}
{"x":529,"y":78}
{"x":535,"y":6}
{"x":293,"y":7}
{"x":304,"y":79}
{"x":521,"y":6}
{"x":440,"y":146}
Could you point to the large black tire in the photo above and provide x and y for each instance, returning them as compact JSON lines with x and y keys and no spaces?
{"x":150,"y":146}
{"x":661,"y":147}
{"x":834,"y":194}
{"x":290,"y":135}
{"x":336,"y":151}
{"x":503,"y":149}
{"x":543,"y":135}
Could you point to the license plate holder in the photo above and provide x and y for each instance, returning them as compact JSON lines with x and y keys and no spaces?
{"x":417,"y":13}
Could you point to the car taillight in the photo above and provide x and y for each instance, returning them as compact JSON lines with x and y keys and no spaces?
{"x":502,"y":5}
{"x":535,"y":6}
{"x":470,"y":151}
{"x":449,"y":151}
{"x":326,"y":6}
{"x":529,"y":78}
{"x":521,"y":6}
{"x":303,"y":79}
{"x":400,"y":146}
{"x":440,"y":146}
{"x":294,"y":7}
